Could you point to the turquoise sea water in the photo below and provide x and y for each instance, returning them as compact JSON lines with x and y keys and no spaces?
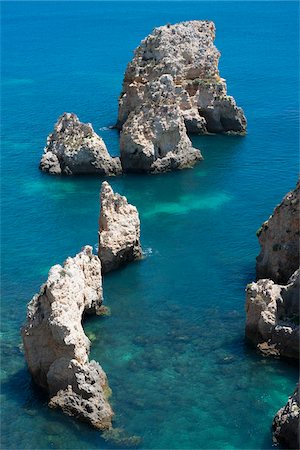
{"x":173,"y":348}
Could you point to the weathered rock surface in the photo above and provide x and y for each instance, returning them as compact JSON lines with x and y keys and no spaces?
{"x":186,"y":52}
{"x":154,"y":138}
{"x":286,"y":423}
{"x":74,"y":148}
{"x":279,"y":240}
{"x":56,"y":348}
{"x":119,"y":230}
{"x":273,"y":316}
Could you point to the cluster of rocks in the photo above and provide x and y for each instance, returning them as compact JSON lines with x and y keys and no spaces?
{"x":272,"y":303}
{"x":56,"y":347}
{"x":171,"y":87}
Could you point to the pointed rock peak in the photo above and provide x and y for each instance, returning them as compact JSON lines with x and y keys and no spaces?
{"x":119,"y":230}
{"x":74,"y":148}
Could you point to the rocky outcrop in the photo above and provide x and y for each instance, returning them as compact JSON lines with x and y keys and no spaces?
{"x":119,"y":230}
{"x":154,"y":138}
{"x":286,"y":423}
{"x":74,"y":148}
{"x":56,"y":348}
{"x":273,"y":316}
{"x":185,"y":52}
{"x":279,"y":240}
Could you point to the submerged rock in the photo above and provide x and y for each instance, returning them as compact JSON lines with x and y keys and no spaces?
{"x":74,"y":148}
{"x":119,"y":438}
{"x":119,"y":230}
{"x":56,"y":348}
{"x":279,"y":240}
{"x":185,"y":52}
{"x":286,"y":423}
{"x":273,"y":316}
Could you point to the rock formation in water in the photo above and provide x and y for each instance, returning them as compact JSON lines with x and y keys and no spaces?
{"x":74,"y":148}
{"x":185,"y":52}
{"x":286,"y":423}
{"x":273,"y":316}
{"x":119,"y":230}
{"x":154,"y":137}
{"x":56,"y":348}
{"x":279,"y":240}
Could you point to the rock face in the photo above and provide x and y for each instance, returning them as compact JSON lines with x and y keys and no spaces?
{"x":279,"y":240}
{"x":154,"y":138}
{"x":74,"y":148}
{"x":119,"y":230}
{"x":286,"y":423}
{"x":56,"y":348}
{"x":273,"y":316}
{"x":195,"y":92}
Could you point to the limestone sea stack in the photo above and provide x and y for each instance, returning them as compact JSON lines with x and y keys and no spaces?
{"x":56,"y":348}
{"x":74,"y":148}
{"x":154,"y":138}
{"x":286,"y":423}
{"x":279,"y":240}
{"x":273,"y":316}
{"x":119,"y":230}
{"x":185,"y":52}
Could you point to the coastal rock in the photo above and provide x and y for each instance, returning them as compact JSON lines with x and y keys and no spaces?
{"x":74,"y":148}
{"x":186,"y":52}
{"x":119,"y":230}
{"x":286,"y":423}
{"x":154,"y":138}
{"x":56,"y":348}
{"x":273,"y":316}
{"x":279,"y":240}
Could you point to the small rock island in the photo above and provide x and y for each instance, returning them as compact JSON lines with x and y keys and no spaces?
{"x":74,"y":148}
{"x":119,"y":230}
{"x":172,"y":87}
{"x":56,"y":348}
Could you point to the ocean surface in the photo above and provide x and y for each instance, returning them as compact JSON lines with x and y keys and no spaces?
{"x":173,"y":348}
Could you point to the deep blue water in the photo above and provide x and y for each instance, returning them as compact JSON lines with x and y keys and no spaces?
{"x":173,"y":348}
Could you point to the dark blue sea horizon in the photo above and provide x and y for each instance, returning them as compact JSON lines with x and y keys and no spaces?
{"x":181,"y":373}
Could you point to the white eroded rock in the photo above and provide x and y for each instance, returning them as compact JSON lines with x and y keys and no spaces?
{"x":154,"y":138}
{"x":119,"y":230}
{"x":172,"y":85}
{"x":56,"y":348}
{"x":279,"y":240}
{"x":273,"y":316}
{"x":74,"y":148}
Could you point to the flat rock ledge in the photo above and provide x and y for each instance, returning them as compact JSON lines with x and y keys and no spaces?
{"x":286,"y":423}
{"x":119,"y":230}
{"x":194,"y":97}
{"x":272,"y":322}
{"x":279,"y":240}
{"x":74,"y":148}
{"x":56,"y":348}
